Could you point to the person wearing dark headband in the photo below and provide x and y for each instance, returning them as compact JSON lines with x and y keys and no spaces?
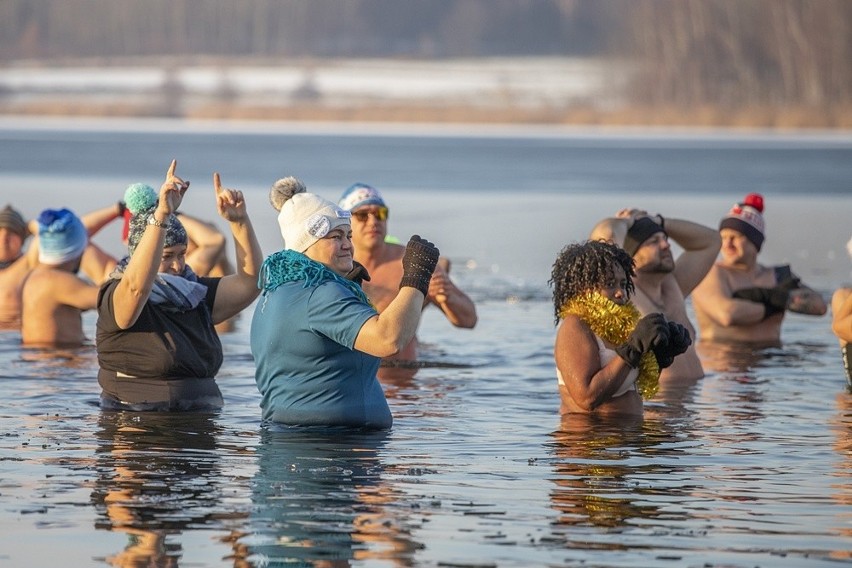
{"x":742,"y":300}
{"x":663,"y":283}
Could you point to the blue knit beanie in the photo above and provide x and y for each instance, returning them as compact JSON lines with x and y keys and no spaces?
{"x":61,"y":236}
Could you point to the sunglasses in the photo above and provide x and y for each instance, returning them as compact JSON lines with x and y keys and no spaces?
{"x":380,"y":214}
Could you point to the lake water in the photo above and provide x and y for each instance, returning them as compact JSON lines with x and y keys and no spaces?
{"x":751,"y":466}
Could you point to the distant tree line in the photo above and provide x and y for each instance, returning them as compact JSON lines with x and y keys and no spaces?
{"x":742,"y":52}
{"x":299,"y":28}
{"x":687,"y":52}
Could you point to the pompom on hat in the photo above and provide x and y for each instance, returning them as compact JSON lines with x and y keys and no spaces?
{"x":61,"y":236}
{"x":305,"y":218}
{"x":11,"y":219}
{"x":284,"y":189}
{"x":747,"y":218}
{"x":141,"y":200}
{"x":359,"y":194}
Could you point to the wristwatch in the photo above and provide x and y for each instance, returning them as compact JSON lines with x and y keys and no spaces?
{"x":153,"y":221}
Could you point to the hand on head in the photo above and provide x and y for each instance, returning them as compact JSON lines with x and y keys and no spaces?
{"x":229,"y":202}
{"x":631,"y":213}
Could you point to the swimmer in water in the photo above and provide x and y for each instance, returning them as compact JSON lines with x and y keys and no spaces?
{"x":383,"y":261}
{"x":605,"y":352}
{"x":157,"y":345}
{"x":741,"y":300}
{"x":841,"y":321}
{"x":316,"y":339}
{"x":663,"y":282}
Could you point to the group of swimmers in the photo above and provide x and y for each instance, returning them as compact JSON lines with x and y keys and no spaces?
{"x":319,"y":333}
{"x":342,"y":297}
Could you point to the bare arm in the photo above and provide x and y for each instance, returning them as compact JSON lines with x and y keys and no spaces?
{"x":206,"y":244}
{"x":71,"y":290}
{"x":611,"y":229}
{"x":700,"y":248}
{"x":135,"y":287}
{"x":238,"y":290}
{"x":455,"y":304}
{"x":715,"y":298}
{"x":387,"y":333}
{"x":578,"y":360}
{"x":98,"y":219}
{"x":841,"y":309}
{"x":97,"y":264}
{"x":804,"y":300}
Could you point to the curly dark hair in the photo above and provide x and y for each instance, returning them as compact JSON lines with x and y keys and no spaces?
{"x":587,"y":266}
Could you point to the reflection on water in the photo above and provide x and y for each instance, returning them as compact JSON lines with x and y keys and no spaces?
{"x":749,"y":466}
{"x":159,"y":475}
{"x":319,"y":499}
{"x":593,"y":475}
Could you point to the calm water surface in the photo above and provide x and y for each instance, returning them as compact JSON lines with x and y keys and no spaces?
{"x":750,"y":466}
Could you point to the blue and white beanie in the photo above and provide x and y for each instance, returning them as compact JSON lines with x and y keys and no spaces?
{"x":61,"y":236}
{"x":359,"y":194}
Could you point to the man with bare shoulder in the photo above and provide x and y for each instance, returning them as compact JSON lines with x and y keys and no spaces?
{"x":53,"y":295}
{"x":383,"y":262}
{"x":742,"y":300}
{"x":15,"y":264}
{"x":663,"y":283}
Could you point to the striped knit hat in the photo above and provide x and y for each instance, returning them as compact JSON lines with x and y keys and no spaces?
{"x":747,"y":218}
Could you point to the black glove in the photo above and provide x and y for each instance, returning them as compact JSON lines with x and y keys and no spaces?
{"x":679,"y":342}
{"x":773,"y":299}
{"x":651,"y":331}
{"x":419,"y":263}
{"x":358,"y":274}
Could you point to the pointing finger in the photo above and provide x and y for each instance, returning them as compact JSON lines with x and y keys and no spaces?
{"x":217,"y":183}
{"x":172,"y":167}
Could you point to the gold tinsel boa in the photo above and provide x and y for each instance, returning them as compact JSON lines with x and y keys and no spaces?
{"x":614,"y":323}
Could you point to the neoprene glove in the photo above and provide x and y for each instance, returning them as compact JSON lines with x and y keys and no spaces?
{"x":651,"y":331}
{"x":679,"y":341}
{"x":419,"y":263}
{"x":358,"y":274}
{"x":773,"y":299}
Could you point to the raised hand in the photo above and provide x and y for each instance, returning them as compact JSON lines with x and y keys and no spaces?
{"x":172,"y":191}
{"x":229,"y":202}
{"x":439,"y":285}
{"x":631,"y":213}
{"x":418,"y":264}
